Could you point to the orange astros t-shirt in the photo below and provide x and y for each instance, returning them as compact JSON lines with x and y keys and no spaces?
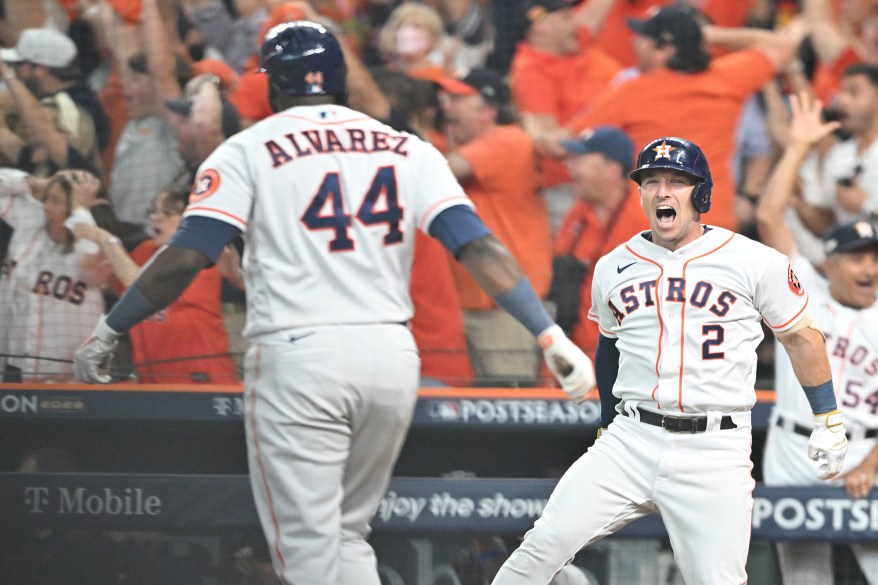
{"x":701,"y":107}
{"x":614,"y":37}
{"x":504,"y":190}
{"x":543,"y":83}
{"x":191,"y":326}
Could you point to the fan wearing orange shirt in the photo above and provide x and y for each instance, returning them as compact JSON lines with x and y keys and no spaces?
{"x":681,"y":91}
{"x":495,"y":162}
{"x":554,"y":74}
{"x":187,"y":342}
{"x":606,"y":212}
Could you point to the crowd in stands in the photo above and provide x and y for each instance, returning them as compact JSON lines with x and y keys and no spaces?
{"x":538,"y":105}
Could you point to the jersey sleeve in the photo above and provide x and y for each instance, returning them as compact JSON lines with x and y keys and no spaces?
{"x":223,"y":188}
{"x":436,"y":187}
{"x":599,"y":312}
{"x":780,"y":297}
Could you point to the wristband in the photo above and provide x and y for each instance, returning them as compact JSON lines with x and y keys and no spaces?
{"x":130,"y":310}
{"x":821,"y":398}
{"x":523,"y":303}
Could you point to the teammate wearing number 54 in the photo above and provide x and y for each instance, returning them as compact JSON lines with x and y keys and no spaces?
{"x":679,"y":310}
{"x":328,"y":200}
{"x":843,"y":299}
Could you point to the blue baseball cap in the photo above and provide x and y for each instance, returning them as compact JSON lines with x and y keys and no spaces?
{"x":846,"y":237}
{"x":606,"y":140}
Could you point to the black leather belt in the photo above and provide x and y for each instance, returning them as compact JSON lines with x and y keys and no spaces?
{"x":805,"y":431}
{"x":681,"y":424}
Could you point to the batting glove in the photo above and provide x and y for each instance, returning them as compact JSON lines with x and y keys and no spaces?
{"x":95,"y":353}
{"x":569,"y":364}
{"x":828,"y":443}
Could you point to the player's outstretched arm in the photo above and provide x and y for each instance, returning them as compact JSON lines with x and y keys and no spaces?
{"x":499,"y":274}
{"x":198,"y":242}
{"x":828,"y":442}
{"x":162,"y":281}
{"x":806,"y":129}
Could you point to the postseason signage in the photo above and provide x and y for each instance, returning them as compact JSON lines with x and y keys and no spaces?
{"x":411,"y":505}
{"x":458,"y":408}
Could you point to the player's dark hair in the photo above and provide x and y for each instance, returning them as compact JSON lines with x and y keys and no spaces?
{"x":867,"y":70}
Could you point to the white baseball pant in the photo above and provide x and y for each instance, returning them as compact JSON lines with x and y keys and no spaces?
{"x":327,"y":411}
{"x":701,"y":484}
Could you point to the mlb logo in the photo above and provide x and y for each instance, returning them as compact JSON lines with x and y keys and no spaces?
{"x":445,"y":410}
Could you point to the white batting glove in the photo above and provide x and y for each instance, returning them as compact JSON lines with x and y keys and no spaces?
{"x":569,"y":364}
{"x":95,"y":353}
{"x":828,"y":443}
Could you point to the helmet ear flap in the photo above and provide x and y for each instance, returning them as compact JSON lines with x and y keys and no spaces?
{"x":701,"y":198}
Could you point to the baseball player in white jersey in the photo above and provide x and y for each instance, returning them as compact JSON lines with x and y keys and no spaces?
{"x":328,"y":200}
{"x":48,"y":300}
{"x":679,"y":309}
{"x":843,"y":301}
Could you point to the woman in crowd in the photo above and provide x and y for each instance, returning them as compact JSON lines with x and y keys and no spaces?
{"x":50,"y":289}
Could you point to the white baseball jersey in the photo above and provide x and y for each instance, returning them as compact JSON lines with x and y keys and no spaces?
{"x":48,"y":303}
{"x":329,"y":200}
{"x":688,"y":321}
{"x":852,"y":347}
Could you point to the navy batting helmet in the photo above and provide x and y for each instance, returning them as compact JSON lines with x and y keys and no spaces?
{"x":680,"y":155}
{"x":303,"y":58}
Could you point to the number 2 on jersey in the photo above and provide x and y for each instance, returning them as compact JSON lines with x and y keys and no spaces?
{"x":716,"y":336}
{"x":371,"y":212}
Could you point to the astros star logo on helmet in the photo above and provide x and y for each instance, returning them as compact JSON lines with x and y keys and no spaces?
{"x":663,"y":150}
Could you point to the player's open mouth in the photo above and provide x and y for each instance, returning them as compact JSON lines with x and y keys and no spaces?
{"x":665,"y":214}
{"x":866,"y":286}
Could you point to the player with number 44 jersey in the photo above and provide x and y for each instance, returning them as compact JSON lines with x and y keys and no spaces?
{"x":328,"y":201}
